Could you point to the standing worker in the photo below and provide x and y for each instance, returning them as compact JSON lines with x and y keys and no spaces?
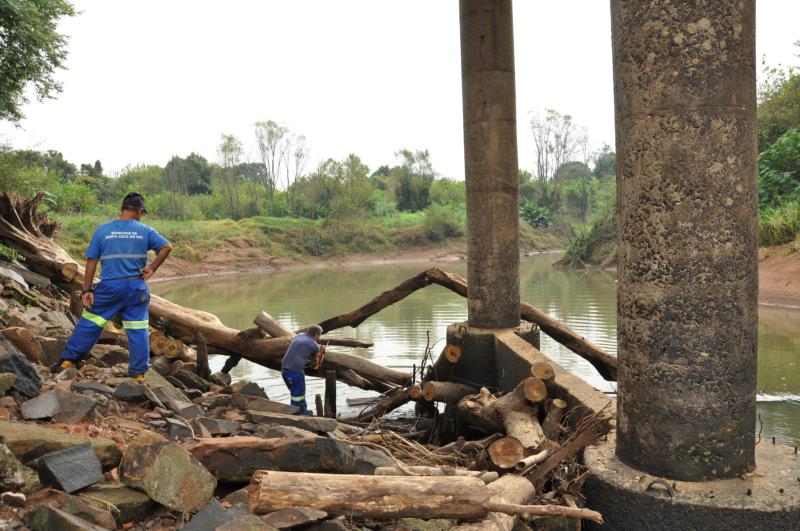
{"x":302,"y":347}
{"x":121,"y":246}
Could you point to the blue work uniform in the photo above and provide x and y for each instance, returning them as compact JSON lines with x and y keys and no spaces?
{"x":121,"y":246}
{"x":302,"y":347}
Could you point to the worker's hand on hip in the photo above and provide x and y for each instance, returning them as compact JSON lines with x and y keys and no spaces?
{"x":87,"y":299}
{"x":146,"y":272}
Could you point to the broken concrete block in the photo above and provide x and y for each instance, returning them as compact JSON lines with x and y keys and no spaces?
{"x":131,"y":505}
{"x":27,"y":382}
{"x":168,"y":474}
{"x":14,"y":475}
{"x":29,"y":441}
{"x":72,"y":468}
{"x":294,"y":517}
{"x":235,"y":459}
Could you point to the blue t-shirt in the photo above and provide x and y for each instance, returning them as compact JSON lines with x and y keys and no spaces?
{"x":302,"y":347}
{"x":121,"y":246}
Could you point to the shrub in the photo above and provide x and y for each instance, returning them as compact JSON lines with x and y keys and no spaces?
{"x":779,"y":171}
{"x":444,"y":221}
{"x":536,"y":216}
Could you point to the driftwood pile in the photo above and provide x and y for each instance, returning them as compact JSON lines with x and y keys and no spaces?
{"x":480,"y":463}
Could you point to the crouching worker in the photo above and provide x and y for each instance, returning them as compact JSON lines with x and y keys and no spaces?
{"x":301,"y":349}
{"x":121,"y":248}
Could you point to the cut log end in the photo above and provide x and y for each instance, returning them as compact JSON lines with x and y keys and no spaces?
{"x":544,"y":371}
{"x":535,"y":390}
{"x":506,"y":452}
{"x":452,"y":353}
{"x":415,"y":392}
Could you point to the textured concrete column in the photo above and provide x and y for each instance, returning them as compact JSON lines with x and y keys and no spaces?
{"x":490,"y":155}
{"x":684,"y":80}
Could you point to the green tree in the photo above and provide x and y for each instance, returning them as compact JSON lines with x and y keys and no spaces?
{"x":413,"y":179}
{"x":190,"y":176}
{"x":572,"y":171}
{"x":31,"y":50}
{"x":605,"y":163}
{"x":779,"y":103}
{"x":779,"y":171}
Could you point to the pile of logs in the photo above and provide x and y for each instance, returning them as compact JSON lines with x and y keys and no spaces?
{"x":520,"y":437}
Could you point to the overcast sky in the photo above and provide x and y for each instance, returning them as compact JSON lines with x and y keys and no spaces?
{"x":149,"y":79}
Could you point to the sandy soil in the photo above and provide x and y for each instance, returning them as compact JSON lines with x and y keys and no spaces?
{"x":779,"y":276}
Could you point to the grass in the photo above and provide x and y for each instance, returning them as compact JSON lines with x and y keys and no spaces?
{"x":780,"y":225}
{"x":295,"y":238}
{"x":594,"y":244}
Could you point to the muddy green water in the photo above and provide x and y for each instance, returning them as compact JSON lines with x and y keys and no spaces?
{"x":586,"y":301}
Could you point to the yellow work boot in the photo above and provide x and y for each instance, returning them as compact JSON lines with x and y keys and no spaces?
{"x":62,"y":365}
{"x":67,"y":364}
{"x":139,"y":378}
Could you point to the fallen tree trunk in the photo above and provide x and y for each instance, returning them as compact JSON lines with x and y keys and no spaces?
{"x":360,"y":496}
{"x":605,"y":364}
{"x":511,"y":414}
{"x":507,"y":489}
{"x":446,"y":391}
{"x":272,"y":326}
{"x":420,"y":470}
{"x":392,"y":497}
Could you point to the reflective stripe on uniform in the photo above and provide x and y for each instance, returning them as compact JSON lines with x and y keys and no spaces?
{"x":96,"y":319}
{"x":135,"y":325}
{"x":298,"y":398}
{"x":110,"y":256}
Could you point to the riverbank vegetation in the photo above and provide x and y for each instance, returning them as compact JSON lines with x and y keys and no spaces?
{"x":594,"y":243}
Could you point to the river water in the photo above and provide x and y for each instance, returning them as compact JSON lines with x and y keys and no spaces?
{"x":586,"y":301}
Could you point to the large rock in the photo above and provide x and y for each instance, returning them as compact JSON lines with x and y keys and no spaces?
{"x":272,"y":431}
{"x":156,"y":381}
{"x":72,"y":468}
{"x":110,"y":354}
{"x":7,"y":380}
{"x":25,"y":341}
{"x":47,"y":518}
{"x":318,"y":424}
{"x":294,"y":517}
{"x":190,"y":380}
{"x":14,"y":475}
{"x":235,"y":459}
{"x":168,"y":474}
{"x":245,"y":402}
{"x":95,"y":387}
{"x":368,"y":459}
{"x":245,"y":522}
{"x":213,"y":516}
{"x":52,"y":348}
{"x":248,"y":388}
{"x":131,"y":505}
{"x":27,"y":382}
{"x":29,"y":442}
{"x":61,"y":406}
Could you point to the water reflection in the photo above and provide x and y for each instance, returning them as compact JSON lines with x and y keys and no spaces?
{"x":586,"y":301}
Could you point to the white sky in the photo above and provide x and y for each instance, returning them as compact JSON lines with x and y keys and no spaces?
{"x":149,"y":79}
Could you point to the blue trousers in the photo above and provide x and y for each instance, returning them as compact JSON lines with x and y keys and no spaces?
{"x":129,"y":298}
{"x":296,"y":382}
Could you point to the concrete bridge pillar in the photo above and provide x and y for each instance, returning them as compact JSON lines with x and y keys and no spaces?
{"x":490,"y":154}
{"x":685,"y":103}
